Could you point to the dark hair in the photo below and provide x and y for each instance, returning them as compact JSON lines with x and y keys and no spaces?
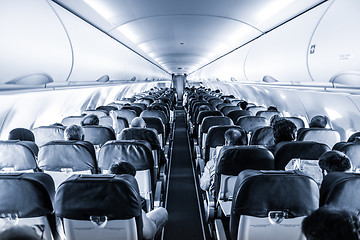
{"x":122,"y":167}
{"x":21,"y":134}
{"x":204,"y":108}
{"x":274,"y":118}
{"x":243,"y":105}
{"x":234,"y":137}
{"x":91,"y":119}
{"x":318,"y":122}
{"x":334,"y":161}
{"x":331,"y":223}
{"x":272,"y":109}
{"x":284,"y":130}
{"x":74,"y":132}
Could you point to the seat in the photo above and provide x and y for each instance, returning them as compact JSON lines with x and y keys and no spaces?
{"x":299,"y":123}
{"x":263,"y":136}
{"x":99,"y":113}
{"x":98,"y":135}
{"x":235,"y":114}
{"x":27,"y":199}
{"x":141,"y":105}
{"x":160,"y":114}
{"x":322,"y":135}
{"x":72,"y":120}
{"x":156,"y":123}
{"x":96,"y":207}
{"x":341,"y":189}
{"x":268,"y":114}
{"x":61,"y":159}
{"x":226,"y":109}
{"x":127,"y":113}
{"x":353,"y":137}
{"x":271,"y":204}
{"x":250,"y":123}
{"x":234,"y":159}
{"x":285,"y":151}
{"x":135,"y":108}
{"x":200,"y":117}
{"x":17,"y":156}
{"x":208,"y":122}
{"x":215,"y":137}
{"x":108,"y":122}
{"x":352,"y":150}
{"x":107,"y":108}
{"x":46,"y":134}
{"x":255,"y":109}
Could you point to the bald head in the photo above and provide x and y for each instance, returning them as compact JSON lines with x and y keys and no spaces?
{"x":138,"y":122}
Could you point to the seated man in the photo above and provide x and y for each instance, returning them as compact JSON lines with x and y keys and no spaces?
{"x":76,"y":133}
{"x":91,"y":119}
{"x":284,"y":130}
{"x":334,"y":161}
{"x":233,"y":137}
{"x":318,"y":122}
{"x":154,"y":220}
{"x":330,"y":223}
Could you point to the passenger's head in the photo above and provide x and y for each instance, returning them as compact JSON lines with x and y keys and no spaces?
{"x":318,"y":122}
{"x":19,"y":232}
{"x":204,"y":108}
{"x":74,"y":132}
{"x":57,"y":125}
{"x":272,"y":109}
{"x":284,"y":130}
{"x":334,"y":161}
{"x":21,"y":134}
{"x":138,"y":122}
{"x":91,"y":119}
{"x":227,"y":100}
{"x":330,"y":223}
{"x":122,"y":167}
{"x":243,"y":105}
{"x":234,"y":137}
{"x":273,"y":119}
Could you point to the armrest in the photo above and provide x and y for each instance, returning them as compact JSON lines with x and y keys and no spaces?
{"x":157,"y":195}
{"x":210,"y":210}
{"x":219,"y":230}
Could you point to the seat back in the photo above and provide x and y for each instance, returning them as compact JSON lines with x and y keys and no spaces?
{"x":250,"y":123}
{"x":108,"y":122}
{"x":99,"y":113}
{"x":209,"y":122}
{"x":255,"y":109}
{"x":46,"y":134}
{"x":72,"y":120}
{"x":285,"y":151}
{"x":226,"y":109}
{"x":352,"y":150}
{"x":235,"y":114}
{"x":85,"y":203}
{"x":27,"y":199}
{"x":321,"y":135}
{"x":98,"y":135}
{"x":263,"y":136}
{"x":137,"y":109}
{"x":17,"y":156}
{"x":299,"y":123}
{"x":156,"y":123}
{"x":141,"y":105}
{"x":215,"y":137}
{"x":271,"y":204}
{"x":341,"y":190}
{"x":127,"y":113}
{"x":268,"y":114}
{"x":234,"y":159}
{"x":107,"y":108}
{"x":155,"y":113}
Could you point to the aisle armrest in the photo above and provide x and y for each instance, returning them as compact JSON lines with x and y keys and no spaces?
{"x":219,"y":230}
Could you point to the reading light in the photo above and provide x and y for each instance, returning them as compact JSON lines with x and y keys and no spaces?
{"x":269,"y":79}
{"x":104,"y":78}
{"x":32,"y":79}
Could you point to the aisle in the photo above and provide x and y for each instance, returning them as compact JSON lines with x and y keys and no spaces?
{"x":182,"y":203}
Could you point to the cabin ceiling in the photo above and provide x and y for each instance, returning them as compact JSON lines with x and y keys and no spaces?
{"x":181,"y":36}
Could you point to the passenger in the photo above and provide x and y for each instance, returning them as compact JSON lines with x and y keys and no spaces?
{"x":273,"y":119}
{"x":138,"y":122}
{"x":318,"y":122}
{"x":154,"y":220}
{"x":23,"y":134}
{"x":330,"y":223}
{"x":272,"y":109}
{"x":284,"y":130}
{"x":243,"y":105}
{"x":19,"y":232}
{"x":76,"y":133}
{"x":91,"y":119}
{"x":233,"y":137}
{"x":334,"y":161}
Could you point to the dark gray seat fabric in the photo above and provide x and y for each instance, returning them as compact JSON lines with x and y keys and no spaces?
{"x":135,"y":108}
{"x":299,"y":123}
{"x":250,"y":123}
{"x":257,"y":192}
{"x":341,"y":190}
{"x":263,"y":136}
{"x":353,"y":136}
{"x":72,"y":120}
{"x":114,"y":196}
{"x":46,"y":134}
{"x":126,"y":113}
{"x":322,"y":135}
{"x":352,"y":150}
{"x":235,"y":114}
{"x":99,"y":113}
{"x":98,"y":135}
{"x":285,"y":151}
{"x":226,"y":109}
{"x":200,"y":117}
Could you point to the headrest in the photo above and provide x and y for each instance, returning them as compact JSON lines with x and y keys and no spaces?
{"x":155,"y":113}
{"x":21,"y":134}
{"x":146,"y":134}
{"x":26,"y":194}
{"x":82,"y":196}
{"x":108,"y":122}
{"x":98,"y":135}
{"x":99,"y":113}
{"x":55,"y":155}
{"x":72,"y":120}
{"x":214,"y":121}
{"x":255,"y":109}
{"x":137,"y":109}
{"x":215,"y":135}
{"x":46,"y":134}
{"x":141,"y":105}
{"x":267,"y":114}
{"x":226,"y":109}
{"x":235,"y":114}
{"x":106,"y":109}
{"x":323,"y":135}
{"x":285,"y":151}
{"x":299,"y":123}
{"x":250,"y":123}
{"x":154,"y":122}
{"x":136,"y":152}
{"x":263,"y":136}
{"x":257,"y":192}
{"x":204,"y":114}
{"x":235,"y":159}
{"x":126,"y":113}
{"x":341,"y":189}
{"x":17,"y":155}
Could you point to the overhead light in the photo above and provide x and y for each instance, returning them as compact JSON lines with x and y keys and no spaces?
{"x":32,"y":79}
{"x":269,"y":79}
{"x":104,"y":78}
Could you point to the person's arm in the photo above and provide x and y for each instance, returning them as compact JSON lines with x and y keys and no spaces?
{"x":149,"y":227}
{"x":205,"y":178}
{"x":115,"y":122}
